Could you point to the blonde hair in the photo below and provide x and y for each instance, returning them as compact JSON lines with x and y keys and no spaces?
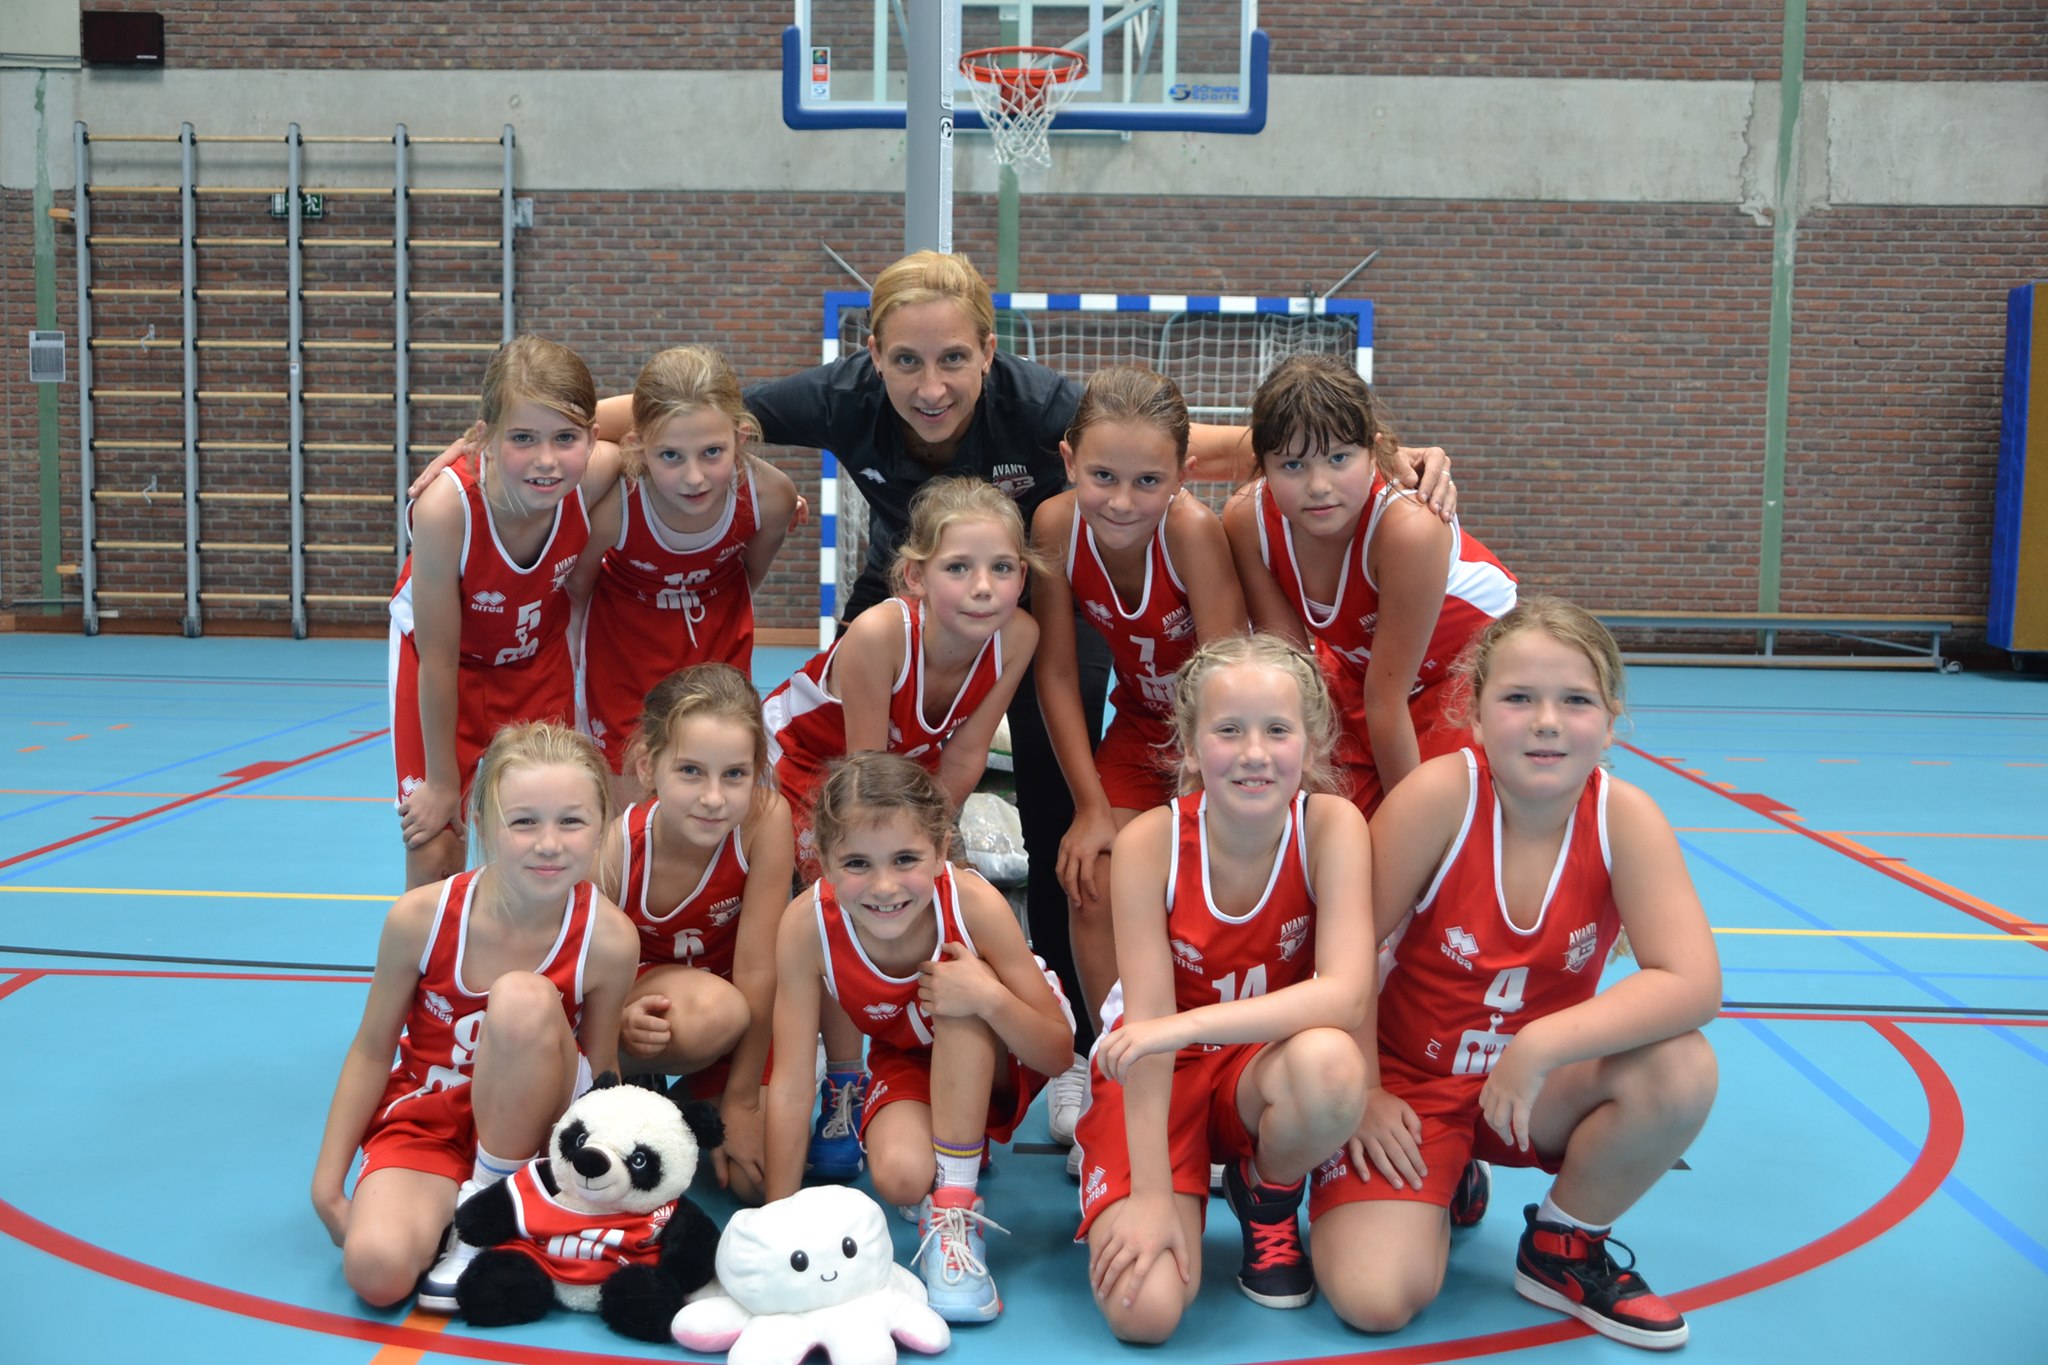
{"x":546,"y":372}
{"x":1318,"y":712}
{"x":942,"y":503}
{"x":1312,"y":402}
{"x":535,"y":744}
{"x":1567,"y":623}
{"x":924,"y":276}
{"x":680,"y":380}
{"x":870,"y":786}
{"x":1132,"y":393}
{"x":711,"y":691}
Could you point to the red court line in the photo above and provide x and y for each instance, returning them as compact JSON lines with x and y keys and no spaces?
{"x":248,"y":774}
{"x":1778,"y":813}
{"x":1936,"y":1159}
{"x":8,"y":988}
{"x":200,"y":976}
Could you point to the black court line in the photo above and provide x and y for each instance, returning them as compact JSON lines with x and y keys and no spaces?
{"x":189,"y":961}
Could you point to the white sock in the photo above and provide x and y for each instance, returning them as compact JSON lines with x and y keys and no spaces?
{"x":1551,"y":1213}
{"x":959,"y":1166}
{"x":489,"y":1170}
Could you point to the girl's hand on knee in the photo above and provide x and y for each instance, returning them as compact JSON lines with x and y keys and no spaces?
{"x":333,"y":1210}
{"x":1082,"y":849}
{"x":957,"y":985}
{"x":644,"y":1030}
{"x":1390,"y":1138}
{"x":424,"y":814}
{"x":1147,"y":1229}
{"x":1124,"y":1046}
{"x":745,"y":1150}
{"x":1509,"y":1095}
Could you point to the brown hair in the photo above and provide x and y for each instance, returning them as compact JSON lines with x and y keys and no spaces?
{"x":1311,"y":402}
{"x":924,"y":276}
{"x":864,"y":788}
{"x":682,"y":380}
{"x":544,"y":371}
{"x":1565,"y":622}
{"x":716,"y":691}
{"x":535,"y":744}
{"x":1132,"y":393}
{"x":1318,"y":713}
{"x":943,"y":502}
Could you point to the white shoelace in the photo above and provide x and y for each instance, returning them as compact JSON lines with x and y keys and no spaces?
{"x":955,"y":1245}
{"x":839,"y":1121}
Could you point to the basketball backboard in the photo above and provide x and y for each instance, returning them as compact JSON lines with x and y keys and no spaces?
{"x":1153,"y":65}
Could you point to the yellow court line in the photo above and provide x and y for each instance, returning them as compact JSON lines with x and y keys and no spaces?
{"x":339,"y":896}
{"x":1883,"y":933}
{"x":197,"y":895}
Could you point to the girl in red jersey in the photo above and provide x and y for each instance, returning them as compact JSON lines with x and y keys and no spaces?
{"x":498,"y":990}
{"x":1149,"y":568}
{"x":926,"y":673}
{"x":703,"y":871}
{"x":688,"y":536}
{"x":480,"y":617}
{"x":1243,"y":939}
{"x":1331,"y":548}
{"x":965,"y":1024}
{"x":1504,"y":875}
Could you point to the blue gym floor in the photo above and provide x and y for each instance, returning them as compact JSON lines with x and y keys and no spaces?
{"x":197,"y":848}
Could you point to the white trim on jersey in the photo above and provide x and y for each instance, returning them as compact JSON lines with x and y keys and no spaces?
{"x":1443,"y":868}
{"x":1296,"y":812}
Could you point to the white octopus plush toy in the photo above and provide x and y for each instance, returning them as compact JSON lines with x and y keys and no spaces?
{"x":813,"y":1271}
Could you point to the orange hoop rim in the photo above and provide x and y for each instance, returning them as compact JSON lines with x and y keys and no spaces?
{"x":980,"y":65}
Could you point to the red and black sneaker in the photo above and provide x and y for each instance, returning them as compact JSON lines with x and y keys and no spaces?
{"x":1469,"y":1200}
{"x":1570,"y":1270}
{"x":1276,"y":1271}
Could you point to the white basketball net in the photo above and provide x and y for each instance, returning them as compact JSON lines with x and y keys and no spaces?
{"x":1018,"y":92}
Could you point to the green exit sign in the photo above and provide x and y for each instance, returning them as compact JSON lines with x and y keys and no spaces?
{"x":310,"y":205}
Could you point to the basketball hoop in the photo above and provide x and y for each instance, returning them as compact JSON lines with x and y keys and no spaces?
{"x":1018,"y":90}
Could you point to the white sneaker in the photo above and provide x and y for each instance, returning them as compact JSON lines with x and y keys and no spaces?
{"x":437,"y":1290}
{"x":1066,"y":1101}
{"x":1216,"y":1180}
{"x":1073,"y":1163}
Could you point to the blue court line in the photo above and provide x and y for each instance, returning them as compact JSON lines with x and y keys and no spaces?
{"x":171,"y":817}
{"x":1860,"y":946}
{"x":1972,"y":1203}
{"x":107,"y":789}
{"x":1726,"y":970}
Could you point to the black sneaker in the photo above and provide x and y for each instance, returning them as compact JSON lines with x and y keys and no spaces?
{"x":1469,"y":1200}
{"x":1276,"y":1271}
{"x":1570,"y":1270}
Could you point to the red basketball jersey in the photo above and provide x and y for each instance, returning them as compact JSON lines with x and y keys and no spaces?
{"x":882,"y":1006}
{"x":1147,"y":642}
{"x":576,"y":1247}
{"x":1478,"y":591}
{"x":1219,"y":957}
{"x":664,"y":600}
{"x":807,"y":722}
{"x":1463,"y":978}
{"x":703,"y":929}
{"x":437,"y":1051}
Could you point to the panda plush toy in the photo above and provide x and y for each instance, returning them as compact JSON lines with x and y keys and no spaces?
{"x":599,"y":1222}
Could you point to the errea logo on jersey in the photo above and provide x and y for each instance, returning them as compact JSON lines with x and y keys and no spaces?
{"x":882,"y":1013}
{"x":488,"y":601}
{"x":1459,"y":946}
{"x":1186,"y":955}
{"x":438,"y":1006}
{"x":1099,"y":612}
{"x":1293,"y":934}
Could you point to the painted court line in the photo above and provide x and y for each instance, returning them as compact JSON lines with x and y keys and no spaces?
{"x":222,"y":796}
{"x":1895,"y":868}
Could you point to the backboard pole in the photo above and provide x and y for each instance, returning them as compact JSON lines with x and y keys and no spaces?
{"x":931,"y":52}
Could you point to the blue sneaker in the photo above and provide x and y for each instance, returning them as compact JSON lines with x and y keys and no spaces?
{"x":952,"y":1256}
{"x":834,"y":1152}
